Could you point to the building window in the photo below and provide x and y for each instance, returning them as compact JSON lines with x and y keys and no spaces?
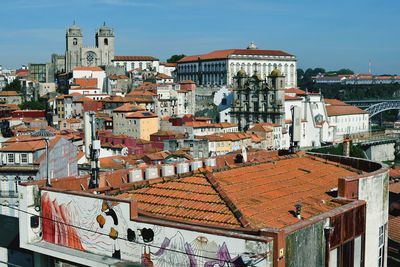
{"x":10,"y":158}
{"x":105,"y":41}
{"x":24,"y":158}
{"x":74,"y":41}
{"x":381,"y":246}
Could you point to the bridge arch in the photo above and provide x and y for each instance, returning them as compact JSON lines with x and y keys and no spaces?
{"x":381,"y":107}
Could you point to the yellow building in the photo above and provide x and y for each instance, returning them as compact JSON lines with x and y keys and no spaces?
{"x":141,"y":124}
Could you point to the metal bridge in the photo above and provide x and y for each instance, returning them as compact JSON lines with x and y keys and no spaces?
{"x":374,"y":107}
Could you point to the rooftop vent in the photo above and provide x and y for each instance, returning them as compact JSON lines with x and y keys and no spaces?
{"x":298,"y":207}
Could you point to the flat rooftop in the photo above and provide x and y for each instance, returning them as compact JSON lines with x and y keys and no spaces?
{"x":257,"y":196}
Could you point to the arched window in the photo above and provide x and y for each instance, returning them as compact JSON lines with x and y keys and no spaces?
{"x":105,"y":41}
{"x":74,"y":41}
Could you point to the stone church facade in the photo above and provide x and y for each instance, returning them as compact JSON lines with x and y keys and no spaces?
{"x":257,"y":100}
{"x":77,"y":55}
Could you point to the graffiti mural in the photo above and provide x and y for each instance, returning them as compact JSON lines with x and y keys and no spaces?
{"x":103,"y":227}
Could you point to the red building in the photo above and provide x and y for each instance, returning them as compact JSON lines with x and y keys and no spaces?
{"x":135,"y":146}
{"x":28,"y":114}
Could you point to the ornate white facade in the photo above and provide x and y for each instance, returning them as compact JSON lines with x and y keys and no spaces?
{"x":219,"y":67}
{"x":77,"y":55}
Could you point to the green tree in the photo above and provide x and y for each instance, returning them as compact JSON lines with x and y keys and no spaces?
{"x":175,"y":58}
{"x":40,"y":105}
{"x":13,"y":86}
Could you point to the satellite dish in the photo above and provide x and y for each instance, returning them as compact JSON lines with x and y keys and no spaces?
{"x":124,"y":151}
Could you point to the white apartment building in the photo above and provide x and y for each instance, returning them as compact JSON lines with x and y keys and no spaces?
{"x":137,"y":62}
{"x":90,"y":72}
{"x":347,"y":119}
{"x":219,"y":67}
{"x":167,"y":68}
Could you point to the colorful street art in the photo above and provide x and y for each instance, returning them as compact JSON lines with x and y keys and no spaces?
{"x":103,"y":227}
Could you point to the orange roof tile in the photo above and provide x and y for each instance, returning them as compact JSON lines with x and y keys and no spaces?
{"x":334,"y":102}
{"x":191,"y":199}
{"x":128,"y":107}
{"x":88,"y":69}
{"x":86,"y":82}
{"x":9,"y":93}
{"x":274,"y":188}
{"x":141,"y":115}
{"x":134,"y":58}
{"x":294,"y":90}
{"x":292,"y":98}
{"x":223,"y":54}
{"x":344,"y":110}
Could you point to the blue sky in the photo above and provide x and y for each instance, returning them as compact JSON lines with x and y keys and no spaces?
{"x":329,"y":34}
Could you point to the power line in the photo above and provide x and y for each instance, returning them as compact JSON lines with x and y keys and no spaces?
{"x":10,"y":264}
{"x":134,"y":241}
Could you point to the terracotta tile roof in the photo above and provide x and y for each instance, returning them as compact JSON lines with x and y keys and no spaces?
{"x":117,"y":99}
{"x":116,"y":77}
{"x":177,"y":135}
{"x":157,"y":155}
{"x":186,"y":82}
{"x":292,"y":98}
{"x":127,"y":107}
{"x":88,"y":69}
{"x":73,"y":120}
{"x":294,"y":90}
{"x":236,"y":136}
{"x":166,"y":64}
{"x":30,"y":146}
{"x":394,"y":172}
{"x":344,"y":110}
{"x":141,"y":115}
{"x":134,"y":58}
{"x":190,"y":199}
{"x":394,"y":188}
{"x":116,"y":162}
{"x":334,"y":102}
{"x":223,"y":54}
{"x":394,"y":229}
{"x":86,"y":82}
{"x":263,"y":127}
{"x":84,"y":99}
{"x":9,"y":93}
{"x":163,"y":76}
{"x":274,"y":188}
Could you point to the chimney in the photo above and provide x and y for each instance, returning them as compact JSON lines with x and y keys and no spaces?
{"x":298,"y":206}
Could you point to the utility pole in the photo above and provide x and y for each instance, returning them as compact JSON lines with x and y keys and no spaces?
{"x":92,"y":147}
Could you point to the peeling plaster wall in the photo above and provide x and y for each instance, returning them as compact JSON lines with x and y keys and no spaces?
{"x":306,"y":247}
{"x":375,"y":191}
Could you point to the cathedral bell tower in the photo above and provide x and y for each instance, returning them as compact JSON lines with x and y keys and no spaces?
{"x":105,"y":43}
{"x":276,"y":80}
{"x":74,"y":43}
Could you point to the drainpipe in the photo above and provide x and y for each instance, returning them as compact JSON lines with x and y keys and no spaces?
{"x":48,"y":181}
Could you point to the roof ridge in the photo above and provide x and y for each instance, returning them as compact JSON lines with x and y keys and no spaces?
{"x":224,"y":196}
